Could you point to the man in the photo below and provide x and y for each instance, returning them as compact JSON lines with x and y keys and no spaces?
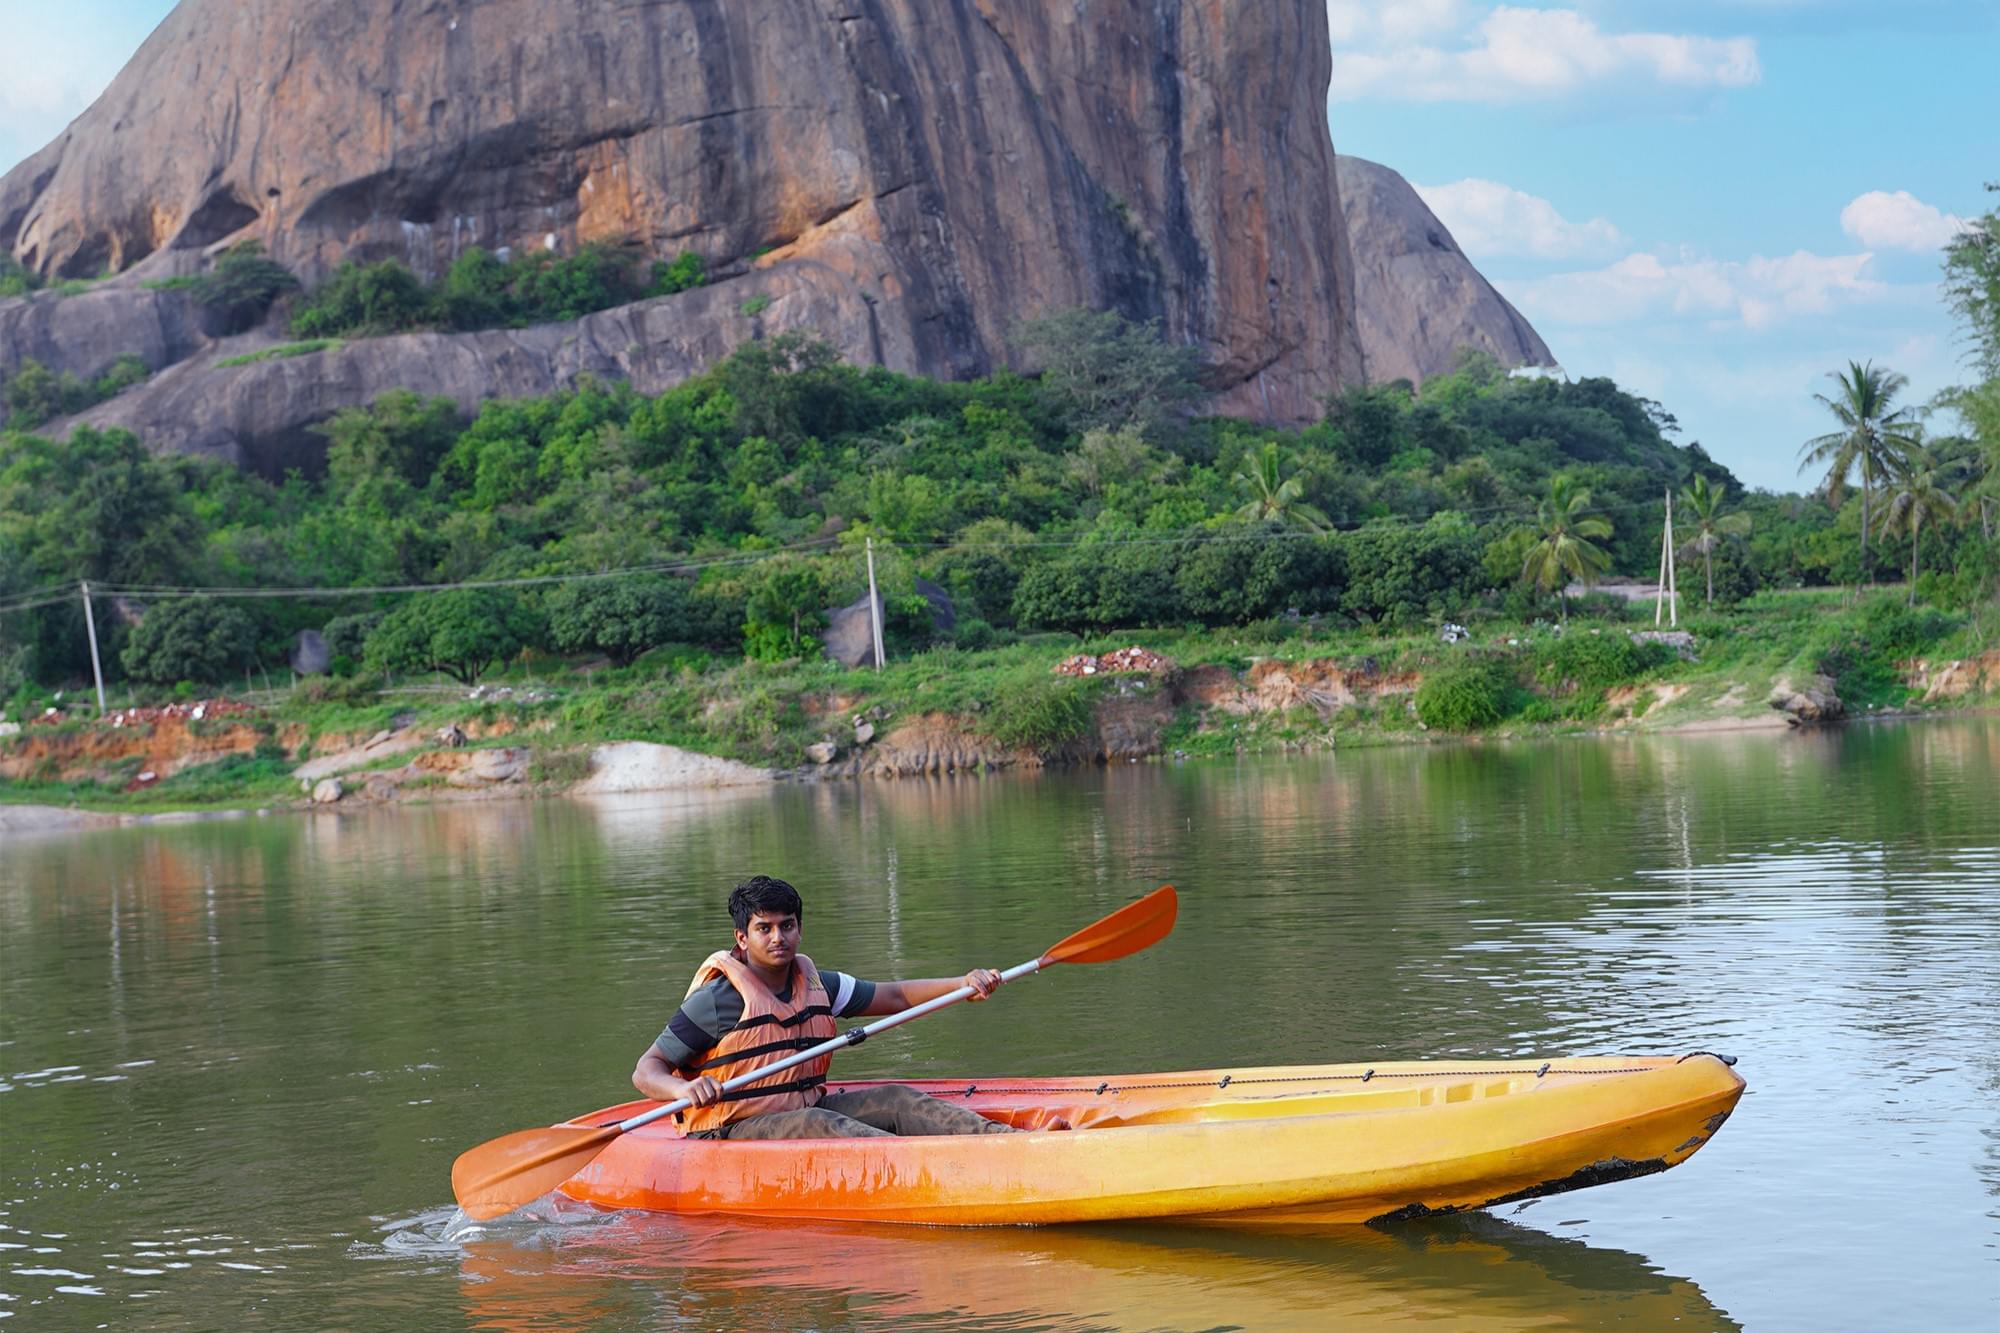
{"x":763,"y":1001}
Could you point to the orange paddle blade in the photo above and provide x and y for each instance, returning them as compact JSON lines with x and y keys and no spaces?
{"x":1126,"y":931}
{"x":504,"y":1174}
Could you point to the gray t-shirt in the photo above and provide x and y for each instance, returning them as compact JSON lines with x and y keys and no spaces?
{"x":712,"y":1012}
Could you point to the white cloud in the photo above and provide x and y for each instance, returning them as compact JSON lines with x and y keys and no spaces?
{"x":1755,"y":293}
{"x":1515,"y":55}
{"x":1898,"y":221}
{"x":1491,"y":220}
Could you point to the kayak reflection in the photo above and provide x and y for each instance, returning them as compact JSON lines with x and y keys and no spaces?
{"x":1474,"y":1272}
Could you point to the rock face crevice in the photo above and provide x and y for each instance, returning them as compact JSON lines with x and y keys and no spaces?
{"x":948,"y":167}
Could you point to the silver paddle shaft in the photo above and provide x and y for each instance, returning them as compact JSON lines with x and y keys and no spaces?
{"x":851,"y":1037}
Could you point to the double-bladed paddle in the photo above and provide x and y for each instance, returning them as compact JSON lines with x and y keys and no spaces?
{"x":499,"y":1176}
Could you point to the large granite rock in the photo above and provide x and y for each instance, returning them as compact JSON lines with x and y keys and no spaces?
{"x":908,"y":177}
{"x":1418,"y":299}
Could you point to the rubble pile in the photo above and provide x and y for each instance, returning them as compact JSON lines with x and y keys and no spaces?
{"x":201,"y":710}
{"x":1134,"y":659}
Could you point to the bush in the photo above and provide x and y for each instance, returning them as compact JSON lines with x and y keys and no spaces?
{"x":687,"y":271}
{"x":1100,"y":369}
{"x":1040,"y":713}
{"x":1891,"y":627}
{"x":15,"y":280}
{"x":384,"y":297}
{"x":620,"y":618}
{"x":37,"y":394}
{"x":242,"y":285}
{"x":346,"y":636}
{"x":1467,"y":695}
{"x":194,"y":639}
{"x":1589,"y":660}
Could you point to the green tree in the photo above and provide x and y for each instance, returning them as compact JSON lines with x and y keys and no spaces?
{"x":197,"y":639}
{"x":1972,"y":286}
{"x":1100,"y":369}
{"x":475,"y":294}
{"x":34,"y":394}
{"x":1565,"y":546}
{"x":1703,"y":503}
{"x":787,"y":595}
{"x":1920,"y":489}
{"x":620,"y":617}
{"x":1274,"y":497}
{"x":1873,"y":433}
{"x":463,"y":633}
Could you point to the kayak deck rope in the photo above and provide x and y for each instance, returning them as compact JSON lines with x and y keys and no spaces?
{"x":1231,"y":1080}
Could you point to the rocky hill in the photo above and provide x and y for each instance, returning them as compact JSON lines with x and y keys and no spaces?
{"x":1418,"y":299}
{"x":907,"y":178}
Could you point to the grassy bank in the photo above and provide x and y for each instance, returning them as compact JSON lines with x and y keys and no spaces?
{"x":1281,"y":685}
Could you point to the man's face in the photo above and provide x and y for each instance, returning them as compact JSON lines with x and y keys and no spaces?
{"x":772,"y":939}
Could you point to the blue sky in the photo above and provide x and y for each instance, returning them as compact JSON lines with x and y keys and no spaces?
{"x":1716,"y":202}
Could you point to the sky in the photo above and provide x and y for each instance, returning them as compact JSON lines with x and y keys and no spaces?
{"x":1715,"y":202}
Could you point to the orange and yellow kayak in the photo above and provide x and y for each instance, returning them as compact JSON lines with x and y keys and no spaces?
{"x":1292,"y":1144}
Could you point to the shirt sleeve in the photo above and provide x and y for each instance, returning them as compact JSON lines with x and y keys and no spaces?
{"x":848,"y":995}
{"x":703,"y":1019}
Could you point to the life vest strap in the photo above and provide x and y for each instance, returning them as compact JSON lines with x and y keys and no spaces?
{"x":752,"y":1052}
{"x":774,"y":1089}
{"x":804,"y":1015}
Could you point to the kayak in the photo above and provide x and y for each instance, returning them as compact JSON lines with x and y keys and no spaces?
{"x":1286,"y":1145}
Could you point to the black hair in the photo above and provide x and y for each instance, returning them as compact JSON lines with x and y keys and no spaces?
{"x":762,"y":893}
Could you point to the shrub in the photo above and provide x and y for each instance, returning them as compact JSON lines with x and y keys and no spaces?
{"x":194,"y":639}
{"x":1891,"y":627}
{"x":687,"y":271}
{"x":1100,"y":369}
{"x":1467,"y":695}
{"x":346,"y":636}
{"x":242,"y":285}
{"x":1590,"y":660}
{"x":36,"y":394}
{"x":383,"y":297}
{"x":15,"y":280}
{"x":1040,"y":713}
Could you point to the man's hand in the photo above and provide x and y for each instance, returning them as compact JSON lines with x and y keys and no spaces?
{"x":984,"y":981}
{"x":655,"y":1078}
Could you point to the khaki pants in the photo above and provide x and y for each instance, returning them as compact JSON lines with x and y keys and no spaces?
{"x":866,"y":1113}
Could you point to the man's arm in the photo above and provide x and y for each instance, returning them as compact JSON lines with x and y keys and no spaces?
{"x":893,"y":997}
{"x":655,"y":1078}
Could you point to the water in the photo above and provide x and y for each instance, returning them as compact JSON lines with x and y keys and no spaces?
{"x":237,"y":1058}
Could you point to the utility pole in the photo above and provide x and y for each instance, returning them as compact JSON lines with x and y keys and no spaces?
{"x":90,"y":623}
{"x":1667,"y":597}
{"x":874,"y":605}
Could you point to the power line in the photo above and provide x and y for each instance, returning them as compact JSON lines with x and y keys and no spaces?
{"x":170,"y":591}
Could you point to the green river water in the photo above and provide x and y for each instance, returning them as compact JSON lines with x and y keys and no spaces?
{"x":237,"y":1057}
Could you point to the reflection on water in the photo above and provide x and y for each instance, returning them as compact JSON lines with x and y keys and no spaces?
{"x":236,"y":1059}
{"x":1470,"y":1273}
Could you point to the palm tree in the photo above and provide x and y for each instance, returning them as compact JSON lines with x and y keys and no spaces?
{"x":1565,"y":533}
{"x":1919,"y":489}
{"x":1704,"y":502}
{"x":1873,"y":431}
{"x":1274,"y":497}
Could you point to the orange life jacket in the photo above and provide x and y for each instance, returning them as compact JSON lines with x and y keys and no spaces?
{"x":769,"y":1030}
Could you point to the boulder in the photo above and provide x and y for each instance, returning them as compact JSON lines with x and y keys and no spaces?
{"x":836,"y":167}
{"x":1817,"y":702}
{"x":1417,"y":298}
{"x":823,"y":752}
{"x":310,"y":656}
{"x":643,"y":766}
{"x":849,"y":636}
{"x":328,"y":791}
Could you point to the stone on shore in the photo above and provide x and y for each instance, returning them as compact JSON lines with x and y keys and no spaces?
{"x":643,"y":766}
